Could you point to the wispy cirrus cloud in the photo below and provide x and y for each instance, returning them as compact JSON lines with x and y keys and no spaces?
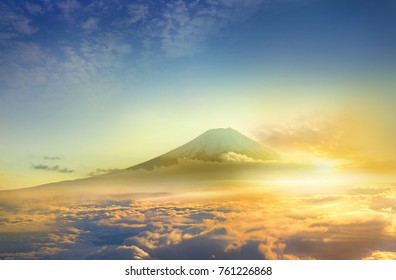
{"x":96,"y":52}
{"x":185,"y":26}
{"x":35,"y":8}
{"x":90,"y":24}
{"x":68,"y":8}
{"x":137,"y":12}
{"x":14,"y":22}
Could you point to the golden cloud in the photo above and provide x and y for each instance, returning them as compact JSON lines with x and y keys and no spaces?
{"x":378,"y":255}
{"x":360,"y":138}
{"x":356,"y":223}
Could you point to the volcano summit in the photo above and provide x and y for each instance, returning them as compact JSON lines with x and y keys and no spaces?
{"x":214,"y":145}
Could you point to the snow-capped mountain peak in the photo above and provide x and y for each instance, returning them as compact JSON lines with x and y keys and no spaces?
{"x":214,"y":145}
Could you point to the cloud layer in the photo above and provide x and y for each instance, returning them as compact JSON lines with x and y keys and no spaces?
{"x":358,"y":223}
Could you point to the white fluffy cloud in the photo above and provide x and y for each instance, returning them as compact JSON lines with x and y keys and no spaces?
{"x":231,"y":156}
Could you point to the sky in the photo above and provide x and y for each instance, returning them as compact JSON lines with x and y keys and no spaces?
{"x":91,"y":86}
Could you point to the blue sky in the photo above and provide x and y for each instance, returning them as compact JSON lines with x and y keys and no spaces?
{"x":107,"y":84}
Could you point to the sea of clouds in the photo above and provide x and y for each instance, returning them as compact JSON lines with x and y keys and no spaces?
{"x":358,"y":223}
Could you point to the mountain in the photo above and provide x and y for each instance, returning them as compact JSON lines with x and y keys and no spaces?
{"x":215,"y":145}
{"x":220,"y":155}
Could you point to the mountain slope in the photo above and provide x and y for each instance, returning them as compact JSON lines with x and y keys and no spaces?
{"x":218,"y":155}
{"x":215,"y":145}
